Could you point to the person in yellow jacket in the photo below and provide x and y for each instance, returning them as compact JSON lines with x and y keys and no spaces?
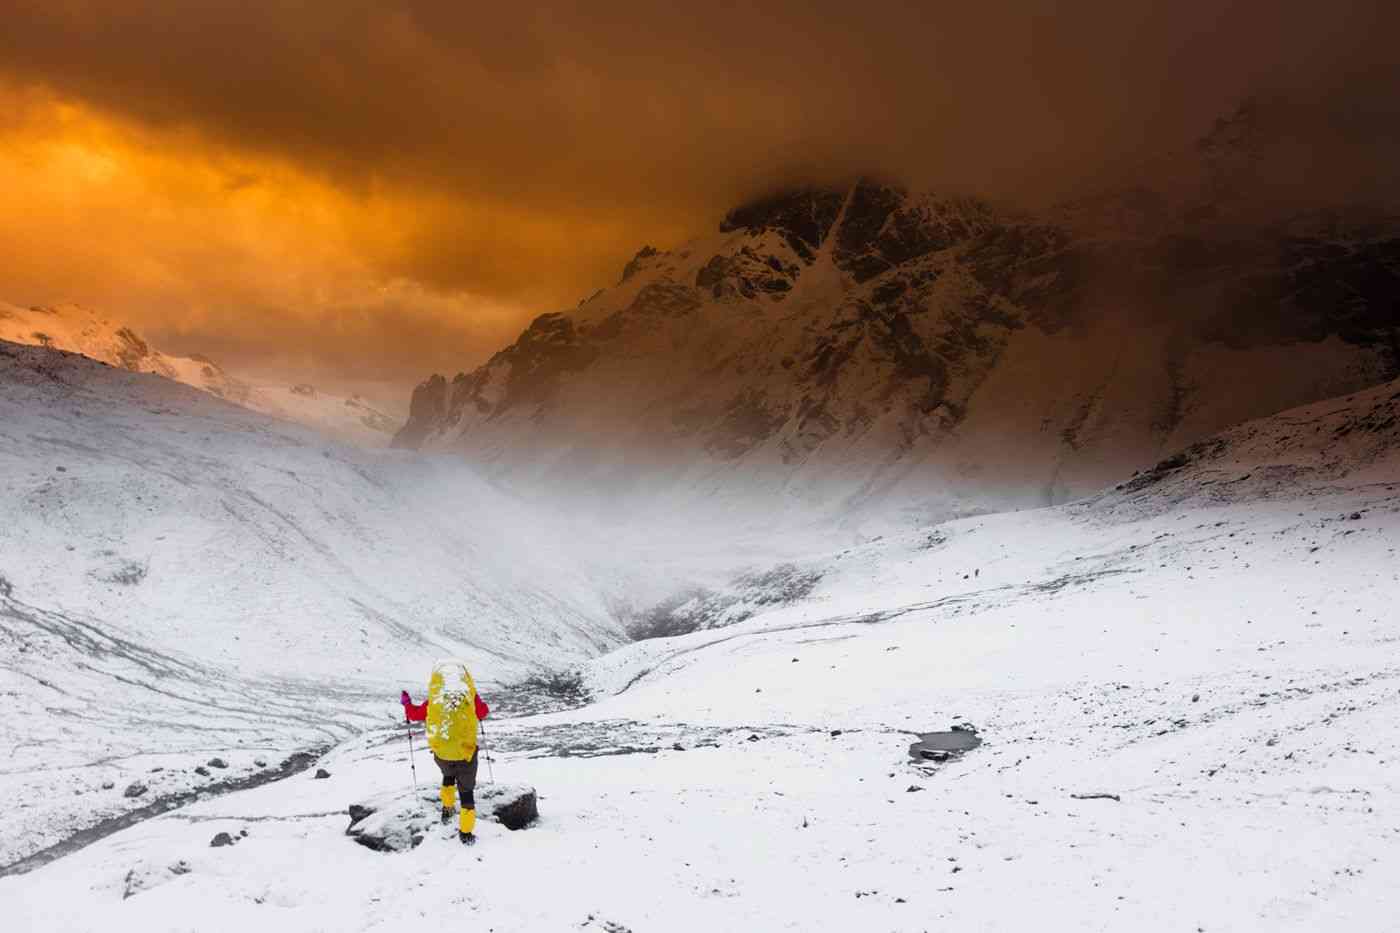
{"x":452,"y":713}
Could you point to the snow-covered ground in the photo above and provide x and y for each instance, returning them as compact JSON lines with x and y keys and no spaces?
{"x":1188,"y":690}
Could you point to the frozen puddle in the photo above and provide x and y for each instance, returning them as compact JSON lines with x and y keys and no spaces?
{"x":941,"y":746}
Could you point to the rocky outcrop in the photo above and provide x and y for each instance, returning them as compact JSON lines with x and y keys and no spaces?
{"x":426,"y":412}
{"x":400,"y":820}
{"x":802,"y":217}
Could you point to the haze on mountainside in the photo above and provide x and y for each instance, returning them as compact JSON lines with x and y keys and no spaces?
{"x":353,"y":195}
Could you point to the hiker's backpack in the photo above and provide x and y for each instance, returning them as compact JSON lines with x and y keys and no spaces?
{"x":452,"y":723}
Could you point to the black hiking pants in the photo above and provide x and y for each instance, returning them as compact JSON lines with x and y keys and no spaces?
{"x":463,"y":774}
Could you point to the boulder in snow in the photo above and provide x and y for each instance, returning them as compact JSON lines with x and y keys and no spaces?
{"x":945,"y":746}
{"x":398,"y":821}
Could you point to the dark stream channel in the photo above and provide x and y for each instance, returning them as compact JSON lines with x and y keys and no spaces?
{"x":295,"y":763}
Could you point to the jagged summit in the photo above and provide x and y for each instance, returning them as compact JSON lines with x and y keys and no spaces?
{"x":803,"y":216}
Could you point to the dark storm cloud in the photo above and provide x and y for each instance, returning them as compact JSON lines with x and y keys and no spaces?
{"x":524,"y":152}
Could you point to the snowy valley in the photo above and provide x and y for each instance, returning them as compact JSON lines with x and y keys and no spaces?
{"x":882,"y":559}
{"x":1186,"y":688}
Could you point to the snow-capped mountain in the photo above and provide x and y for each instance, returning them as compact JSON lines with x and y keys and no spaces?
{"x":181,"y":577}
{"x":81,"y":330}
{"x":870,"y":349}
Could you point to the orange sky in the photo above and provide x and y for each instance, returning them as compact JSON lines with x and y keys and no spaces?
{"x":350,"y":190}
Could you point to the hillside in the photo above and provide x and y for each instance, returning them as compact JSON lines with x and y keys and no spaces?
{"x":81,"y":330}
{"x":181,"y":577}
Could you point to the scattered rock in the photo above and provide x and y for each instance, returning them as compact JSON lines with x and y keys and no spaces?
{"x":134,"y":883}
{"x":135,"y":789}
{"x":108,"y":785}
{"x":260,"y":762}
{"x":835,"y":733}
{"x":220,"y":840}
{"x":202,"y":771}
{"x":181,"y":867}
{"x":217,"y":763}
{"x":322,"y":774}
{"x":1195,"y":698}
{"x":913,"y":789}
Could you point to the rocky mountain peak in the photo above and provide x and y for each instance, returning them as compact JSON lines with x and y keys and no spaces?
{"x":802,"y":216}
{"x":884,"y":226}
{"x":867,"y":343}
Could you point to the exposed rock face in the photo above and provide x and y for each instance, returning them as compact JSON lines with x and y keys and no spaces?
{"x":865,"y":346}
{"x":802,"y":217}
{"x":426,"y":412}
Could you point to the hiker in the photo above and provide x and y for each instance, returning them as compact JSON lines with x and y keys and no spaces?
{"x":451,"y":713}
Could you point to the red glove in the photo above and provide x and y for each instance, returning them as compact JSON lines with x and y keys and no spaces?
{"x":404,"y":699}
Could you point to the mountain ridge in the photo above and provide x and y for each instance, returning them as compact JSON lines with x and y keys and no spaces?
{"x":876,"y":348}
{"x":81,"y":330}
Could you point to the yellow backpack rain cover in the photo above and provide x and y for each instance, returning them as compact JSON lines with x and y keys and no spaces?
{"x":452,"y":723}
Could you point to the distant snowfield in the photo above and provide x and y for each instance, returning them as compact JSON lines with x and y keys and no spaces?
{"x":78,"y":329}
{"x":1215,"y":644}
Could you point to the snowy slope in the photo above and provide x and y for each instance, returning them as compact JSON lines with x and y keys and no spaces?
{"x":82,"y":330}
{"x":1187,"y":690}
{"x":181,"y":577}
